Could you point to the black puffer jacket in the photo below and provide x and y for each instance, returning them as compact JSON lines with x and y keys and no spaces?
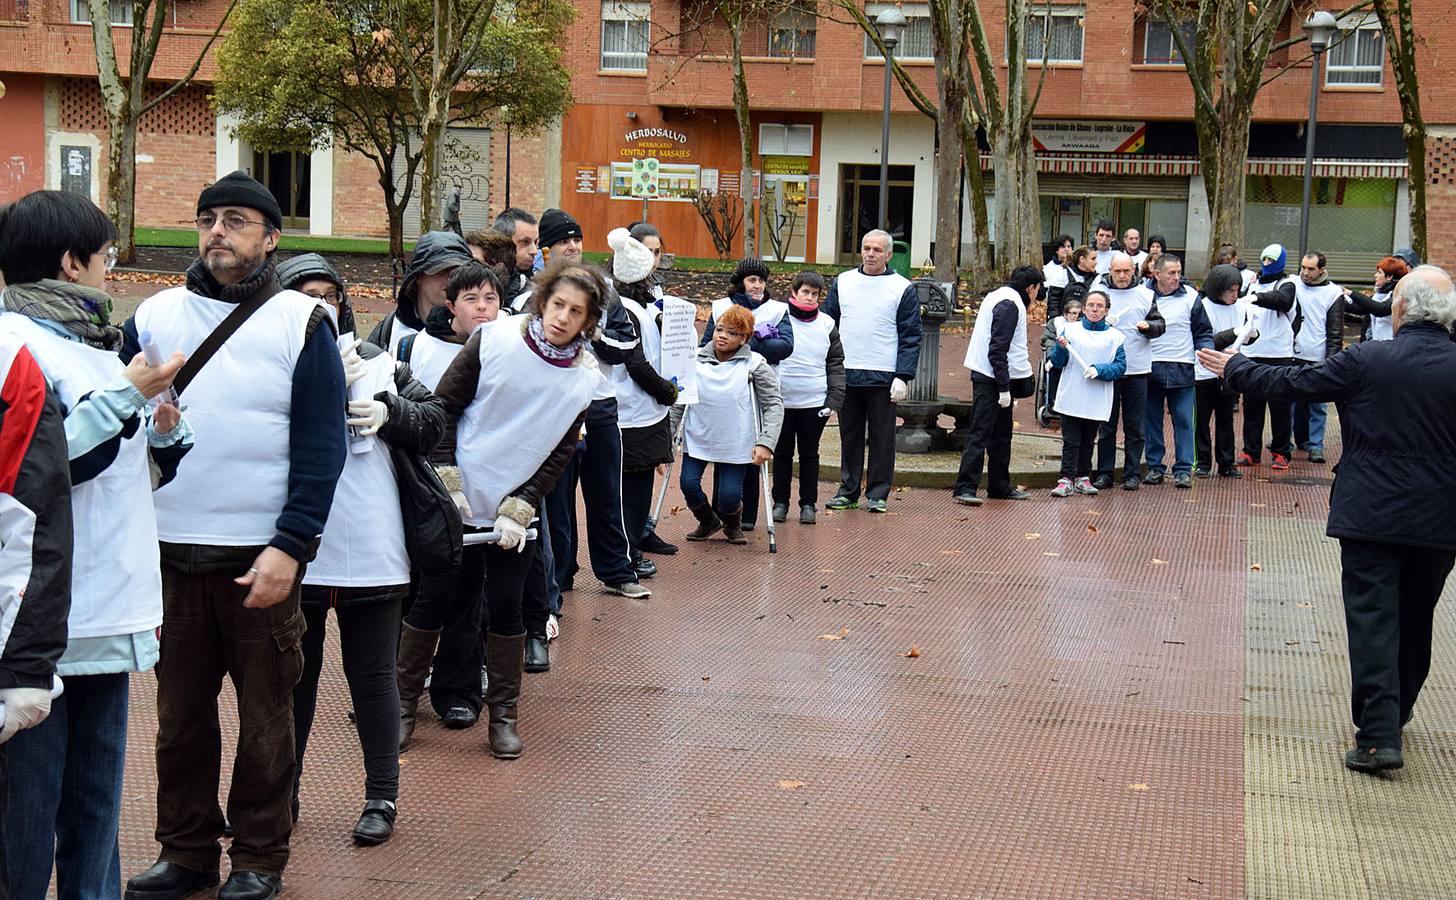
{"x":1394,"y":480}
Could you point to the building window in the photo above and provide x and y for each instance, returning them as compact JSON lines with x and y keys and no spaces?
{"x":120,"y":12}
{"x":1059,"y":30}
{"x":1357,"y":56}
{"x":791,"y":34}
{"x":675,"y":181}
{"x":915,"y":43}
{"x":785,"y":140}
{"x":1160,"y":48}
{"x":625,"y":34}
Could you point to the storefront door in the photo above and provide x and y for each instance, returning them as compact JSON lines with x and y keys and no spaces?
{"x":859,"y":205}
{"x":784,"y":226}
{"x":286,"y":175}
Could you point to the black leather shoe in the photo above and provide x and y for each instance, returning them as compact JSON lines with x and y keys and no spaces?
{"x":645,"y":568}
{"x":168,"y":881}
{"x":654,"y":544}
{"x":458,"y":717}
{"x":376,"y":823}
{"x":538,"y":653}
{"x":1131,"y":483}
{"x":1102,"y":482}
{"x":250,"y":886}
{"x":1153,"y":477}
{"x":780,"y":512}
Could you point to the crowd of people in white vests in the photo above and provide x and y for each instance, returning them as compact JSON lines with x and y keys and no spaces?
{"x":192,"y":490}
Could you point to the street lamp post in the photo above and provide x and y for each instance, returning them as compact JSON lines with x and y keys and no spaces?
{"x":1320,"y":27}
{"x":507,"y":116}
{"x":891,"y":24}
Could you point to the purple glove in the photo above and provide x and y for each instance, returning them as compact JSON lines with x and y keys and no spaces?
{"x":765,"y":331}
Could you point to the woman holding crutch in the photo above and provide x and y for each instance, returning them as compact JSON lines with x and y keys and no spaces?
{"x":518,"y":391}
{"x":720,"y":429}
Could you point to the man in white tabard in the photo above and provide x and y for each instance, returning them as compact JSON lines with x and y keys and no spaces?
{"x":1103,"y":239}
{"x":1000,"y":367}
{"x":237,"y":526}
{"x":1132,"y":245}
{"x":1134,"y":312}
{"x":1319,"y":333}
{"x":878,"y":311}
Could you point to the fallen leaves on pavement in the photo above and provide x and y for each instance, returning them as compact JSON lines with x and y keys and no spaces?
{"x":843,"y":632}
{"x":790,"y":784}
{"x":913,"y":653}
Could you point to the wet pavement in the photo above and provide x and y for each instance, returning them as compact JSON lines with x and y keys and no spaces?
{"x":1129,"y":695}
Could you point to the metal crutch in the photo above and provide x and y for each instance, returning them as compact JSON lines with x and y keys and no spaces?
{"x":493,"y":537}
{"x":667,"y":478}
{"x":769,"y":524}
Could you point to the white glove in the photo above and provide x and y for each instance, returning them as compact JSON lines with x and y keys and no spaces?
{"x":1089,"y":372}
{"x":353,"y":364}
{"x":825,"y":413}
{"x":23,"y":708}
{"x":513,"y":534}
{"x":1003,"y":400}
{"x":898,"y":390}
{"x":368,"y":416}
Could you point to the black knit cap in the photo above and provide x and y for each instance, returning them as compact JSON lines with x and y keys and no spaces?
{"x":241,"y":189}
{"x":747,"y":266}
{"x":556,"y":226}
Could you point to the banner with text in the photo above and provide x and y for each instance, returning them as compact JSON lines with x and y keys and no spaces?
{"x":1082,"y":136}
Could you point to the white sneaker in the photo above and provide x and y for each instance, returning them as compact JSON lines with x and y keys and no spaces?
{"x":553,"y":628}
{"x":1063,"y":488}
{"x":1084,"y":486}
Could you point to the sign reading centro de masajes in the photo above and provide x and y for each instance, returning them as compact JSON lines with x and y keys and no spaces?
{"x":659,"y":143}
{"x":1082,"y":136}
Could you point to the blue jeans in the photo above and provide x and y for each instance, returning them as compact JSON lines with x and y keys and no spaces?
{"x":1179,"y":402}
{"x":1309,"y":425}
{"x":729,"y":477}
{"x":64,"y":803}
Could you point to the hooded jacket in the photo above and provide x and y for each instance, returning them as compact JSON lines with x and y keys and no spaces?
{"x":434,"y":251}
{"x":310,"y":267}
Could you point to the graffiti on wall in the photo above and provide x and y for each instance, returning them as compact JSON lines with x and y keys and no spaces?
{"x":14,"y":180}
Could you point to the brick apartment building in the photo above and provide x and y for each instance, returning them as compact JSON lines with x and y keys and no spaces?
{"x":54,"y":134}
{"x":1115,"y":122}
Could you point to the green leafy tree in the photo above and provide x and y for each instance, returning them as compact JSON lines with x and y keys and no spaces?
{"x":386,"y":78}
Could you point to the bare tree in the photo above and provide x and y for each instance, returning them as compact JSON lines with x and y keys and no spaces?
{"x":124,"y":98}
{"x":723,"y":215}
{"x":1398,"y":28}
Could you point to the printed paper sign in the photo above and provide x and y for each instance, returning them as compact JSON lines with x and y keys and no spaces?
{"x":680,"y":347}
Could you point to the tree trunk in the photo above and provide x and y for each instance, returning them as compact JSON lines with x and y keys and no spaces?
{"x":432,"y":143}
{"x":948,"y":160}
{"x":121,"y":181}
{"x":1226,"y":199}
{"x":1018,"y":219}
{"x":394,"y":207}
{"x":745,"y":139}
{"x":1415,"y":151}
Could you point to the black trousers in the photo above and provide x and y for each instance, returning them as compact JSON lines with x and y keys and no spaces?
{"x":1130,"y":405}
{"x":804,"y":428}
{"x":1212,"y":402}
{"x":866,"y":409}
{"x":508,"y":575}
{"x":598,"y":469}
{"x":455,"y":675}
{"x":368,"y":637}
{"x":1390,"y":593}
{"x":1281,"y":419}
{"x":636,"y":507}
{"x":535,"y":603}
{"x":989,"y":442}
{"x":1078,"y":438}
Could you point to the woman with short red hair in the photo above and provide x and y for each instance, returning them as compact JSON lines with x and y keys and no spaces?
{"x":1377,"y":306}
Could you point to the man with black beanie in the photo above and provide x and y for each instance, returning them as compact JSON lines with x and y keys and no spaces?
{"x":561,"y":236}
{"x":237,"y":525}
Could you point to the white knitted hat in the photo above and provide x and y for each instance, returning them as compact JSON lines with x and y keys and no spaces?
{"x":631,"y":260}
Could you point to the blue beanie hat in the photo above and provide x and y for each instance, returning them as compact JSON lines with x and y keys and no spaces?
{"x":1279,"y":257}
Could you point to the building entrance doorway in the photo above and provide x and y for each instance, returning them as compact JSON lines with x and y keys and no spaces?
{"x":286,"y":175}
{"x":784,"y":231}
{"x":859,"y":205}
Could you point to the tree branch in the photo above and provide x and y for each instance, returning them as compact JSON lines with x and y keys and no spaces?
{"x":196,"y":64}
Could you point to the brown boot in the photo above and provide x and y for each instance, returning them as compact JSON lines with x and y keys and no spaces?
{"x":504,"y":656}
{"x":411,"y":667}
{"x":733,"y":527}
{"x":708,"y":523}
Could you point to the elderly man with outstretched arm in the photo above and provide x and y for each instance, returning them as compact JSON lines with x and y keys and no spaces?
{"x":1390,"y":504}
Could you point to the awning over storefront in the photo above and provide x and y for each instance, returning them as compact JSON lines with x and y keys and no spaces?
{"x":1185,"y":166}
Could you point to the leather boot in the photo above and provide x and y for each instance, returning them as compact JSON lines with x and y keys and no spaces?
{"x":504,"y":656}
{"x":708,"y":523}
{"x":733,"y":527}
{"x":411,"y":668}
